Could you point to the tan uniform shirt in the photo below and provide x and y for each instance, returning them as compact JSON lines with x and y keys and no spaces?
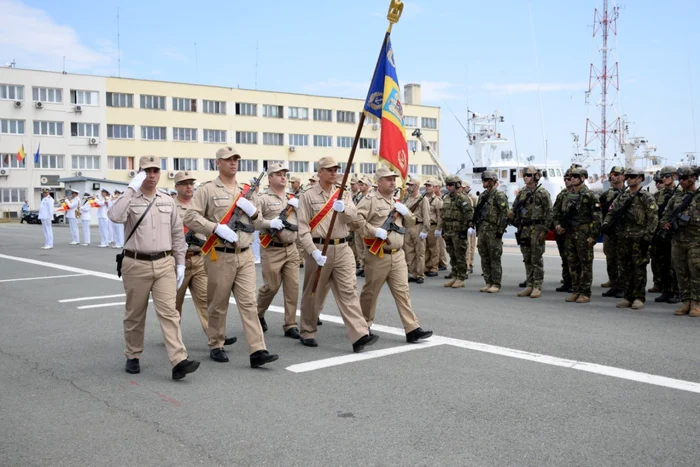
{"x":209,"y":204}
{"x":310,"y":204}
{"x":161,"y":229}
{"x":421,"y":212}
{"x":271,"y":207}
{"x":181,"y":208}
{"x":434,"y":204}
{"x":373,"y":211}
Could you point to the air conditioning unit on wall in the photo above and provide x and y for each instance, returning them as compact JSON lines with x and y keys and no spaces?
{"x":171,"y":175}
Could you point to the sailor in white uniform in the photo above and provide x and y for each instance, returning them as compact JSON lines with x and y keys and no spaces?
{"x":103,"y":220}
{"x":46,"y":217}
{"x":73,"y":202}
{"x":117,"y":229}
{"x":85,"y":217}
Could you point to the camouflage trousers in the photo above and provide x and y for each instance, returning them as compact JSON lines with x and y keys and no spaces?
{"x":579,"y":255}
{"x":662,"y":267}
{"x":532,"y":249}
{"x":686,"y":259}
{"x":633,"y":257}
{"x":561,"y":246}
{"x":490,"y":251}
{"x":456,"y":247}
{"x":612,"y":260}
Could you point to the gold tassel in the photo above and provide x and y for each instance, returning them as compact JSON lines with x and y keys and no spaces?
{"x":212,"y":254}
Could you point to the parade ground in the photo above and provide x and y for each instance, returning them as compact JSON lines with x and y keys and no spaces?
{"x":505,"y":381}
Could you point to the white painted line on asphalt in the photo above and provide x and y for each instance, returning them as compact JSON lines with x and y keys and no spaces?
{"x":45,"y":264}
{"x":104,"y":305}
{"x":39,"y":278}
{"x":68,"y":300}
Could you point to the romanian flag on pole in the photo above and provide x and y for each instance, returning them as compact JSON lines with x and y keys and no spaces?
{"x":21,"y":154}
{"x":384,"y":103}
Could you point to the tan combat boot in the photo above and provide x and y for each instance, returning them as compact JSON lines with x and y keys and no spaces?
{"x":624,"y":304}
{"x":606,"y":285}
{"x":458,"y":284}
{"x":485,"y":288}
{"x":572,"y":298}
{"x":449,"y":283}
{"x":525,"y":293}
{"x":637,"y":304}
{"x":684,"y":309}
{"x":583,"y":299}
{"x":536,"y":293}
{"x":694,"y":309}
{"x":494,"y":289}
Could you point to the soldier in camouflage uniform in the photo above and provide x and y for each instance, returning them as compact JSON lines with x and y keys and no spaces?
{"x":653,"y":253}
{"x":684,"y":211}
{"x":561,"y":238}
{"x":665,"y":277}
{"x":532,"y":215}
{"x":455,"y":219}
{"x":633,"y":218}
{"x":491,"y":219}
{"x":580,"y":218}
{"x":617,"y":184}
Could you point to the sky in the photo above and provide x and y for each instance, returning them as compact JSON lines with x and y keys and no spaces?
{"x":482,"y":56}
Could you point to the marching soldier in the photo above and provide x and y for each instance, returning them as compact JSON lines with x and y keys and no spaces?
{"x":661,"y":247}
{"x":385,"y":260}
{"x":155,"y":250}
{"x":280,"y":258}
{"x":314,"y":219}
{"x":634,"y":215}
{"x":46,"y":218}
{"x":682,"y":219}
{"x":532,"y":215}
{"x":230,"y":267}
{"x":364,"y":185}
{"x":71,"y":214}
{"x":491,"y":220}
{"x":416,"y":235}
{"x":455,"y":218}
{"x":615,"y":281}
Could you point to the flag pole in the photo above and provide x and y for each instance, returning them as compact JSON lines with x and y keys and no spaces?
{"x":395,"y":9}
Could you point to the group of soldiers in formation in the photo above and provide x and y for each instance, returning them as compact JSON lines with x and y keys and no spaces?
{"x":372,"y":233}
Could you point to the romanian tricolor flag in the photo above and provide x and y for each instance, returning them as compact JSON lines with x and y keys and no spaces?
{"x":21,"y":154}
{"x":384,"y":103}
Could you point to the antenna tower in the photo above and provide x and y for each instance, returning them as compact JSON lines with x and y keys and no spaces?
{"x":607,"y":131}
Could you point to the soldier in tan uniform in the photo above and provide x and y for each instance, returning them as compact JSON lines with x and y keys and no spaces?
{"x":364,"y":185}
{"x":149,"y":266}
{"x":295,"y":184}
{"x":279,"y":255}
{"x":314,"y":219}
{"x":432,"y":247}
{"x":230,"y":266}
{"x":356,"y":196}
{"x":386,"y":261}
{"x":416,"y":235}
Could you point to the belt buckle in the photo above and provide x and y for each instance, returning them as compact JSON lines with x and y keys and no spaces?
{"x":237,"y":250}
{"x":336,"y":241}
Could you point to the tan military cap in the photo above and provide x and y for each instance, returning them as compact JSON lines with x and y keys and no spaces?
{"x":227,"y":152}
{"x":354,"y":180}
{"x":274,"y":168}
{"x":46,"y":190}
{"x":364,"y":181}
{"x":313,"y":178}
{"x":147,"y":162}
{"x":295,"y":178}
{"x":384,"y":171}
{"x":412,"y":181}
{"x":327,"y":163}
{"x":182,"y":176}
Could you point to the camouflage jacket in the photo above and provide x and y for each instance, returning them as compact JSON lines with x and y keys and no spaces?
{"x":492,"y":211}
{"x":556,"y":208}
{"x":607,"y":198}
{"x":663,"y":198}
{"x":532,"y":208}
{"x":689,"y":228}
{"x":456,"y":213}
{"x":583,"y":209}
{"x":640,"y":217}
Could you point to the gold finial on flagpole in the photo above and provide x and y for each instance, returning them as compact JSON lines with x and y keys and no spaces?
{"x":395,"y":10}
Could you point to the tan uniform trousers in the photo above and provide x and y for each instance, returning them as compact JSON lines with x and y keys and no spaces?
{"x":233,"y":272}
{"x":141,"y":278}
{"x":392,"y":270}
{"x":443,"y":251}
{"x":432,"y":252}
{"x":360,"y":249}
{"x":280,"y":267}
{"x":471,"y":246}
{"x":337,"y":275}
{"x":196,"y":281}
{"x":414,"y":247}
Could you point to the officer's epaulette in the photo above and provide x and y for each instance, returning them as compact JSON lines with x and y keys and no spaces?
{"x":204,"y":183}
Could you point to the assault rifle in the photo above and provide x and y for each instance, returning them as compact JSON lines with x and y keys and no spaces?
{"x":191,"y":239}
{"x":662,"y":207}
{"x":283,"y":217}
{"x":235,"y":222}
{"x":482,"y":209}
{"x":519,"y":209}
{"x":616,"y":216}
{"x":567,"y":218}
{"x":390,"y":222}
{"x":676,"y":218}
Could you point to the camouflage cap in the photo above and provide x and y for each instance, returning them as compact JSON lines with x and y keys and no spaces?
{"x":577,"y":172}
{"x":531,"y":170}
{"x":657,"y":177}
{"x":667,"y":170}
{"x":453,"y":179}
{"x":687,"y":171}
{"x":618,"y":169}
{"x":583,"y":171}
{"x":489,"y":175}
{"x":633,"y":171}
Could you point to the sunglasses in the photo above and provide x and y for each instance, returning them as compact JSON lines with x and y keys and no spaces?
{"x":627,"y":177}
{"x":667,"y":175}
{"x":528,"y":175}
{"x":614,"y":174}
{"x":190,"y":183}
{"x":568,"y":179}
{"x":450,"y":184}
{"x":685,"y":177}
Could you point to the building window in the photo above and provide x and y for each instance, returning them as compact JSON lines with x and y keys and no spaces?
{"x":298,"y":166}
{"x":250,"y":110}
{"x":247,"y":165}
{"x":368,"y":168}
{"x":85,"y":130}
{"x":214,"y":136}
{"x":343,"y":165}
{"x":270,"y":162}
{"x":371,"y":120}
{"x":163,"y":163}
{"x":183,"y":104}
{"x":430,"y":123}
{"x":298,"y":140}
{"x":118,"y":99}
{"x":323,"y":115}
{"x":9,"y":161}
{"x":210,"y":165}
{"x":429,"y":170}
{"x":50,"y":161}
{"x":52,"y":95}
{"x":48,"y":128}
{"x":183,"y":163}
{"x":273,"y":139}
{"x":81,"y":97}
{"x":368,"y":143}
{"x":433,"y":145}
{"x":11,"y":92}
{"x":345,"y":141}
{"x":410,"y":122}
{"x":120,"y":131}
{"x":185,"y":134}
{"x":152,"y":102}
{"x":12,"y":127}
{"x":120,"y":163}
{"x":413,"y":169}
{"x":299,"y":113}
{"x":247,"y":137}
{"x":153,"y":133}
{"x":412,"y":145}
{"x":13,"y":195}
{"x":345,"y":117}
{"x":273,"y":111}
{"x":323,"y":141}
{"x":214,"y":107}
{"x":86,"y":162}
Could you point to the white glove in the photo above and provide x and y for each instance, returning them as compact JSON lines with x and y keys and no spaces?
{"x":276,"y":224}
{"x":223,"y":231}
{"x":438,"y":233}
{"x":470,"y":232}
{"x":294,"y":202}
{"x":180,"y":274}
{"x":246,"y":206}
{"x":423,"y":235}
{"x":381,"y":233}
{"x":401,"y":208}
{"x":338,"y":205}
{"x":137,"y":181}
{"x":319,"y":258}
